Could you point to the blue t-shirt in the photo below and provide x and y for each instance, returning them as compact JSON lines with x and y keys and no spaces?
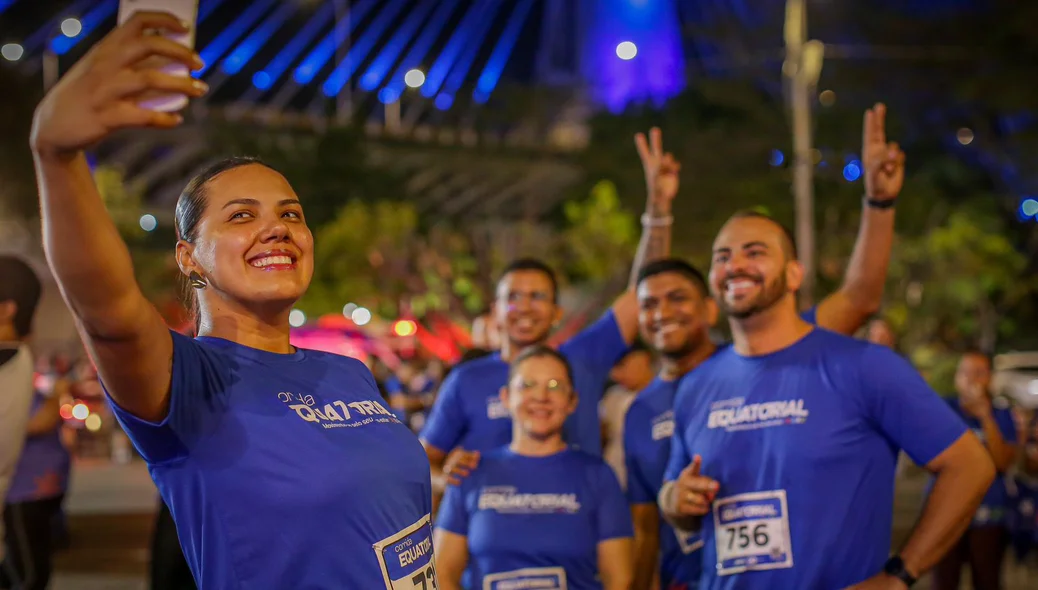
{"x":995,"y":508}
{"x":286,"y":471}
{"x":43,"y":467}
{"x":648,"y":428}
{"x":804,"y":443}
{"x":468,"y":412}
{"x":534,"y":520}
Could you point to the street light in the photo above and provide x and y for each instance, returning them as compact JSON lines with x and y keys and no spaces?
{"x":626,"y":50}
{"x":71,"y":27}
{"x":414,"y":78}
{"x":12,"y":51}
{"x":802,"y":67}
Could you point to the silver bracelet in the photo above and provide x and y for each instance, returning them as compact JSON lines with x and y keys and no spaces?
{"x":650,"y":221}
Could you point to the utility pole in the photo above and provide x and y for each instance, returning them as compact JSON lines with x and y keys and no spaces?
{"x":344,"y":101}
{"x":802,"y":66}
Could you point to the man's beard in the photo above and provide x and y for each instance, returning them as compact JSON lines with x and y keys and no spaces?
{"x":770,"y":294}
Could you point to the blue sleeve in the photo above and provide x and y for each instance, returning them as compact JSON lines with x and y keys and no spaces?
{"x":447,"y":422}
{"x":905,"y":408}
{"x":393,"y":386}
{"x":599,"y":346}
{"x":679,"y":457}
{"x":614,"y":516}
{"x":810,"y":316}
{"x":453,"y":516}
{"x":639,"y":489}
{"x":1006,"y":425}
{"x":198,"y":383}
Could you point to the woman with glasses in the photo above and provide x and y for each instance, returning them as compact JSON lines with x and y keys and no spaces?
{"x":536,"y":513}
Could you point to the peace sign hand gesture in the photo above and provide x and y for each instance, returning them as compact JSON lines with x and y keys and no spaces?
{"x":661,"y":169}
{"x":884,"y":162}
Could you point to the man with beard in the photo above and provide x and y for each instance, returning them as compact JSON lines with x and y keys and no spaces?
{"x":468,"y":416}
{"x":785,"y":443}
{"x":676,"y":315}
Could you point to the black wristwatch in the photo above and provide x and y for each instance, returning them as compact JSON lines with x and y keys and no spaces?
{"x":880,"y":204}
{"x":896,"y":567}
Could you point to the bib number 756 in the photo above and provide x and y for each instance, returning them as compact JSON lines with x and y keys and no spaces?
{"x":742,"y":536}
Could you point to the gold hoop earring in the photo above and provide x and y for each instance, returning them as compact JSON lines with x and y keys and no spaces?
{"x":196,"y":281}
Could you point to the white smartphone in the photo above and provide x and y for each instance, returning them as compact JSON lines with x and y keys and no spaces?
{"x":186,"y":11}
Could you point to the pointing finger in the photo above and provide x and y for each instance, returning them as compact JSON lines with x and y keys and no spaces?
{"x":697,"y":463}
{"x":880,"y":123}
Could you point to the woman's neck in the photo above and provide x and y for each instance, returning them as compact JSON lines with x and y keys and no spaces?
{"x":529,"y":446}
{"x":270,"y":334}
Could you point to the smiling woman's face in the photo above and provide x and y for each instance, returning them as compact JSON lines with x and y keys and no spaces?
{"x":252,"y":244}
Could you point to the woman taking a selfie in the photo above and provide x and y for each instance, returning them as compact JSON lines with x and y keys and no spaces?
{"x":536,"y":514}
{"x":281,"y":466}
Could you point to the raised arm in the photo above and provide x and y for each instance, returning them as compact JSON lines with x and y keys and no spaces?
{"x":125,"y":334}
{"x":661,"y":183}
{"x":861,"y":293}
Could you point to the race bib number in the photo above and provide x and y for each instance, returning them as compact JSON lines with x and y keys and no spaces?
{"x":751,"y":532}
{"x":406,"y":558}
{"x":531,"y":578}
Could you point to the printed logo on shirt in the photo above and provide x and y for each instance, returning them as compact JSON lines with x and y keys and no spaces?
{"x":338,"y":414}
{"x":735,"y":414}
{"x":406,"y":558}
{"x":689,"y":542}
{"x":663,"y":425}
{"x":508,"y":500}
{"x":530,"y":578}
{"x":496,"y":408}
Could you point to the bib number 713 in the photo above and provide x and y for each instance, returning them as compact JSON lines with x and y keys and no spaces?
{"x":758,"y":536}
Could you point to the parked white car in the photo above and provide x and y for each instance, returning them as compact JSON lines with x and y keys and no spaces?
{"x":1016,"y":377}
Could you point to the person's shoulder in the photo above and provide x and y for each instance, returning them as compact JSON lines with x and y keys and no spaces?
{"x":834,"y":347}
{"x":479,"y":367}
{"x":499,"y":459}
{"x":586,"y":461}
{"x":658,"y":392}
{"x":593,"y":467}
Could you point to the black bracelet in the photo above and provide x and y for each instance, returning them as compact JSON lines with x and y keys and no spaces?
{"x":878,"y":204}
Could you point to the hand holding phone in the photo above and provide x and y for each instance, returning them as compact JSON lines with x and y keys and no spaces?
{"x":187,"y":12}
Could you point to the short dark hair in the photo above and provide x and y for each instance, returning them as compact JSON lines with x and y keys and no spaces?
{"x":19,"y":283}
{"x":676,"y":266}
{"x":521,"y":264}
{"x":191,"y":206}
{"x":789,"y":242}
{"x":540,"y":351}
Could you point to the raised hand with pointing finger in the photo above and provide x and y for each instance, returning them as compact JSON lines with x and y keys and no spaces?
{"x":692,"y":493}
{"x":883,"y":161}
